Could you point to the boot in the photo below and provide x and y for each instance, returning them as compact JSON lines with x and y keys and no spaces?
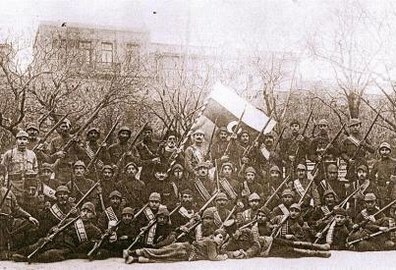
{"x":131,"y":259}
{"x":312,"y":253}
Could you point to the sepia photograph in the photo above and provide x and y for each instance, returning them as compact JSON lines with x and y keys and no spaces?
{"x":197,"y":134}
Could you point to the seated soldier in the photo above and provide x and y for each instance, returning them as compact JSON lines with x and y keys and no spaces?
{"x":249,"y":186}
{"x":205,"y":249}
{"x":250,"y":213}
{"x":241,"y":245}
{"x":287,"y":201}
{"x":322,"y":214}
{"x":134,"y":190}
{"x":207,"y":225}
{"x":112,"y":213}
{"x":47,"y":185}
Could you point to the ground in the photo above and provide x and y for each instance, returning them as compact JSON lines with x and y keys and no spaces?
{"x":338,"y":260}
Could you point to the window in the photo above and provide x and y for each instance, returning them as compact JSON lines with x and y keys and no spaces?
{"x":107,"y":53}
{"x":86,"y":50}
{"x":132,"y":55}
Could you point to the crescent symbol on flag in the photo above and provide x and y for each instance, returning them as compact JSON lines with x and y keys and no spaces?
{"x":231,"y":126}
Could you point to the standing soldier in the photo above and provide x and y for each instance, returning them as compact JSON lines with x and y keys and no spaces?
{"x":112,"y":213}
{"x":196,"y":152}
{"x":47,"y":182}
{"x":167,"y":150}
{"x":33,"y":132}
{"x":333,"y":183}
{"x":118,"y":149}
{"x":383,"y":173}
{"x":354,"y":143}
{"x":319,"y":143}
{"x":228,"y":184}
{"x":220,"y":145}
{"x":20,"y":163}
{"x":80,"y":184}
{"x":146,"y":151}
{"x":293,"y":149}
{"x":250,"y":213}
{"x":249,"y":186}
{"x":91,"y":145}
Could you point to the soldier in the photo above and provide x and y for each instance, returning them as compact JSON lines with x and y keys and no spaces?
{"x":91,"y":146}
{"x":202,"y":186}
{"x":48,"y":183}
{"x":272,"y":181}
{"x":205,"y":249}
{"x":299,"y":187}
{"x":241,"y":245}
{"x":284,"y":207}
{"x":332,"y":182}
{"x":146,"y":151}
{"x":294,"y":148}
{"x":244,"y":139}
{"x":250,"y":213}
{"x":319,"y":143}
{"x":383,"y":172}
{"x":80,"y":184}
{"x":220,"y":145}
{"x":370,"y":223}
{"x":107,"y":184}
{"x":353,"y":143}
{"x":220,"y":210}
{"x":266,"y":156}
{"x":20,"y":163}
{"x":187,"y":210}
{"x":167,"y":151}
{"x":74,"y":242}
{"x":116,"y":150}
{"x":9,"y":209}
{"x":162,"y":185}
{"x":195,"y":153}
{"x":228,"y":184}
{"x":63,"y":158}
{"x":207,"y":227}
{"x":365,"y":185}
{"x":33,"y":132}
{"x":263,"y":227}
{"x":249,"y":186}
{"x":178,"y":176}
{"x":135,"y":192}
{"x":291,"y":228}
{"x":322,"y":213}
{"x":112,"y":213}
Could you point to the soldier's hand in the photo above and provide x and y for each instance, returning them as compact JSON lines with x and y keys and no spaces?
{"x":240,"y":204}
{"x":34,"y":221}
{"x":234,"y":136}
{"x":236,"y":253}
{"x":289,"y":236}
{"x":355,"y":226}
{"x":99,"y":189}
{"x":71,"y":199}
{"x":47,"y":204}
{"x":123,"y":237}
{"x":292,"y":158}
{"x":318,"y":235}
{"x":184,"y":229}
{"x":383,"y":229}
{"x":371,"y":218}
{"x":73,"y":210}
{"x":156,"y":160}
{"x":113,"y":238}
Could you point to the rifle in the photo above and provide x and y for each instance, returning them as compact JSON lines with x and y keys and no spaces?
{"x":143,"y":230}
{"x":235,"y":132}
{"x":43,"y":139}
{"x":79,"y":202}
{"x":6,"y":194}
{"x":365,"y":136}
{"x":249,"y":149}
{"x":108,"y":232}
{"x":200,"y":211}
{"x":279,"y":138}
{"x":247,"y":225}
{"x":229,"y":216}
{"x":304,"y":130}
{"x":366,"y":237}
{"x":207,"y":156}
{"x":51,"y":237}
{"x":102,"y":145}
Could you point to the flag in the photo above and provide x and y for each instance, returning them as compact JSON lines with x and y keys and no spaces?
{"x":225,"y":107}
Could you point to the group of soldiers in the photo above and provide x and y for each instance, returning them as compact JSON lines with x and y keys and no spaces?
{"x":229,"y":194}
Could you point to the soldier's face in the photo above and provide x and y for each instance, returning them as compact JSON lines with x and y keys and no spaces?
{"x":86,"y":214}
{"x":275,"y":174}
{"x":221,"y":203}
{"x":202,"y":172}
{"x":339,"y":219}
{"x":62,"y":198}
{"x":227,"y":171}
{"x":323,"y":129}
{"x":384,"y":152}
{"x":362,"y":175}
{"x":245,"y":138}
{"x":93,"y":136}
{"x":254,"y":204}
{"x":198,"y":137}
{"x":154,"y":205}
{"x":171,"y":142}
{"x":33,"y":133}
{"x":46,"y":174}
{"x":269,"y":142}
{"x":21,"y":142}
{"x":219,"y":239}
{"x":147,"y":134}
{"x":131,"y":170}
{"x":261,"y":218}
{"x":107,"y":174}
{"x":355,"y":128}
{"x":162,"y":219}
{"x":287,"y":199}
{"x":223,"y":135}
{"x":127,"y":218}
{"x":79,"y":171}
{"x":187,"y":199}
{"x":329,"y":199}
{"x":295,"y":128}
{"x":301,"y":174}
{"x":31,"y":191}
{"x":115,"y":201}
{"x":294,"y":213}
{"x":124,"y":135}
{"x":178,"y":173}
{"x":161,"y":176}
{"x":370,"y":204}
{"x":333,"y":175}
{"x":64,"y":128}
{"x":250,"y":176}
{"x":207,"y":221}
